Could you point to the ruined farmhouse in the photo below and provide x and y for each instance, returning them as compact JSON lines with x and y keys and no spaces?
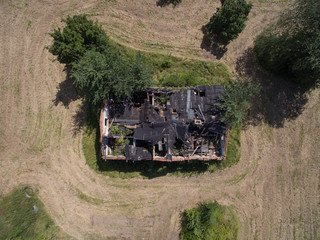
{"x":165,"y":125}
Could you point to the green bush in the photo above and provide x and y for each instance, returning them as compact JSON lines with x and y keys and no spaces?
{"x":237,"y":101}
{"x":209,"y":221}
{"x":229,"y":20}
{"x":119,"y":142}
{"x":115,"y":130}
{"x":167,"y":63}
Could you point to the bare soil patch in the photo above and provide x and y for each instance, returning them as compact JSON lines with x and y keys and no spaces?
{"x":275,"y":188}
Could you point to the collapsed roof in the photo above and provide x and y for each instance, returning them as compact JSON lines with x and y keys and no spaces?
{"x":167,"y":125}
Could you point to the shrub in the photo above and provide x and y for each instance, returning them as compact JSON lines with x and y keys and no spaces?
{"x":209,"y":221}
{"x":229,"y":20}
{"x":237,"y":101}
{"x":115,"y":131}
{"x":167,"y":63}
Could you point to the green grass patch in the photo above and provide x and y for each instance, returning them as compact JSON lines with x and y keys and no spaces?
{"x":164,"y":65}
{"x":19,"y":221}
{"x":209,"y":220}
{"x":90,"y":150}
{"x":234,"y":148}
{"x":28,"y":25}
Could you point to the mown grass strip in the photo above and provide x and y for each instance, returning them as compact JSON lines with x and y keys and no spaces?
{"x":89,"y":199}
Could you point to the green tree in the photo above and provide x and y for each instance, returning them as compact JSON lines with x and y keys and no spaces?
{"x":237,"y":101}
{"x":209,"y":221}
{"x":140,"y":72}
{"x":78,"y":36}
{"x":229,"y":20}
{"x":105,"y":75}
{"x":291,"y":46}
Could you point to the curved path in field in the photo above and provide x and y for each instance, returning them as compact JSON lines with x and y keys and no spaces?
{"x":275,"y":188}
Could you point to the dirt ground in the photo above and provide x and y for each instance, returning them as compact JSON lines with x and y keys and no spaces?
{"x":275,"y":188}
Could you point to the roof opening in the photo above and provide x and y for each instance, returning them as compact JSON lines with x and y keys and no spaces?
{"x":198,"y":121}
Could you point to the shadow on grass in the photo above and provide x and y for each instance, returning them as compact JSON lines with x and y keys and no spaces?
{"x":66,"y":91}
{"x":280,"y":99}
{"x":213,"y":44}
{"x":153,"y":169}
{"x":163,"y":3}
{"x":79,"y":119}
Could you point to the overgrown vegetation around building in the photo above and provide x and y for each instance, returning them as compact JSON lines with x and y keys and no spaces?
{"x":90,"y":68}
{"x":104,"y":75}
{"x":291,"y":46}
{"x":23,"y":216}
{"x":166,"y":66}
{"x":229,"y":20}
{"x":209,"y":221}
{"x":97,"y":67}
{"x":237,"y":101}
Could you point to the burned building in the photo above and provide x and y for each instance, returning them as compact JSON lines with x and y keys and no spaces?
{"x":165,"y":125}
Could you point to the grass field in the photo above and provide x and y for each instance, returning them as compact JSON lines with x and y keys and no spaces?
{"x":18,"y":220}
{"x":273,"y":187}
{"x":206,"y":72}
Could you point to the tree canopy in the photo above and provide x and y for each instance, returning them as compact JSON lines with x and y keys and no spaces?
{"x":78,"y":36}
{"x":97,"y":67}
{"x":229,"y":20}
{"x":104,"y":75}
{"x":237,"y":101}
{"x":291,"y":46}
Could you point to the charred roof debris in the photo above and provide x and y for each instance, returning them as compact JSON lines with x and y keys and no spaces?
{"x":165,"y":125}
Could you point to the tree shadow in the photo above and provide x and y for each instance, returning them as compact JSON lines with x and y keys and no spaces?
{"x":163,"y":3}
{"x":154,"y":169}
{"x":79,"y":119}
{"x":281,"y":99}
{"x":66,"y":91}
{"x":213,"y":44}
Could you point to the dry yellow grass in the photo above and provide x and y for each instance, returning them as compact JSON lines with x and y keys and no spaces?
{"x":276,"y":196}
